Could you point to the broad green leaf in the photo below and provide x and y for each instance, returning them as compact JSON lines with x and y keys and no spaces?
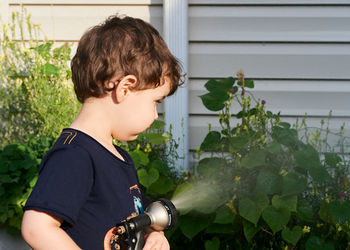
{"x":157,"y":124}
{"x":249,"y":230}
{"x":274,"y":148}
{"x":154,"y":138}
{"x":139,"y":158}
{"x":293,"y":184}
{"x":227,"y":83}
{"x":292,"y":236}
{"x":147,"y":178}
{"x":249,"y":210}
{"x":332,"y":159}
{"x":261,"y":200}
{"x":304,"y":211}
{"x":161,"y":166}
{"x":320,"y":174}
{"x":211,"y":141}
{"x":285,"y":125}
{"x":307,"y":158}
{"x":210,"y":167}
{"x":285,"y":136}
{"x":214,"y":102}
{"x":315,"y":243}
{"x":43,"y":49}
{"x":222,"y":85}
{"x":340,"y":211}
{"x":324,"y":213}
{"x":163,"y":185}
{"x":224,"y":215}
{"x":268,"y":181}
{"x":212,"y":85}
{"x":50,"y":69}
{"x":191,"y":225}
{"x":247,"y":83}
{"x":241,"y":114}
{"x":254,"y":158}
{"x":287,"y":202}
{"x":213,"y":244}
{"x":276,"y":218}
{"x":238,"y":142}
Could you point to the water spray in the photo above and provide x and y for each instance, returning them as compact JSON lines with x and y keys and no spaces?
{"x":129,"y":235}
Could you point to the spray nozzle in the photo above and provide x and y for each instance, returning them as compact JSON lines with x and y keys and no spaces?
{"x":159,"y":215}
{"x":163,"y":215}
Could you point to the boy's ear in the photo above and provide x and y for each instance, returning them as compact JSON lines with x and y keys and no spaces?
{"x":124,"y":87}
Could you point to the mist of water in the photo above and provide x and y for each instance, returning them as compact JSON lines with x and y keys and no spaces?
{"x":201,"y":195}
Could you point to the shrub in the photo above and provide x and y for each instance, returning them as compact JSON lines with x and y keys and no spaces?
{"x":259,"y":185}
{"x":36,"y":94}
{"x":153,"y":153}
{"x":18,"y":174}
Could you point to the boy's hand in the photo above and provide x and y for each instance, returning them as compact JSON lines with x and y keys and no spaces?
{"x":156,"y":241}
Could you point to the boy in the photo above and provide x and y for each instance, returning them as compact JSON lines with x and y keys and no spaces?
{"x":121,"y":71}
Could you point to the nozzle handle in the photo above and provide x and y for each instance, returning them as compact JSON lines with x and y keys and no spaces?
{"x":139,"y":222}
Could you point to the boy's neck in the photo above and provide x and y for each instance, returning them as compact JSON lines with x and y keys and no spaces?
{"x":92,"y":121}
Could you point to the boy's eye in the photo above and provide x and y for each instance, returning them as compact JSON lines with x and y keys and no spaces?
{"x":159,"y":101}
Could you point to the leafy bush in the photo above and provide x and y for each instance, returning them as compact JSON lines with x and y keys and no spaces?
{"x":259,"y":185}
{"x":18,"y":174}
{"x":153,"y":153}
{"x":36,"y":94}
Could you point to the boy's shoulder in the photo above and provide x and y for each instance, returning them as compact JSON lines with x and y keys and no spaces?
{"x":73,"y":143}
{"x":69,"y":146}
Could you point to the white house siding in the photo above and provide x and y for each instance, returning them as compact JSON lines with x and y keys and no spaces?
{"x":297,"y":51}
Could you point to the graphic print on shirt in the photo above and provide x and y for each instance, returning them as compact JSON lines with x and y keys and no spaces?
{"x":136,"y":192}
{"x":111,"y":241}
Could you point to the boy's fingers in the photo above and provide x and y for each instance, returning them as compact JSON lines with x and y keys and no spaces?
{"x":157,"y":241}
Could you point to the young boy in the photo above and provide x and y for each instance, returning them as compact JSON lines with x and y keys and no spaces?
{"x":121,"y":71}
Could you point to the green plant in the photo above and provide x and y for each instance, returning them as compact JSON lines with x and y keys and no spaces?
{"x":18,"y":174}
{"x":36,"y":95}
{"x":153,"y":161}
{"x":262,"y":185}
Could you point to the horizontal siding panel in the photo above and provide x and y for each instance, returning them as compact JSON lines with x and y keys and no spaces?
{"x":85,"y":2}
{"x":288,"y":97}
{"x":268,"y":2}
{"x":199,"y":127}
{"x":68,"y":23}
{"x":297,"y":24}
{"x":277,"y":61}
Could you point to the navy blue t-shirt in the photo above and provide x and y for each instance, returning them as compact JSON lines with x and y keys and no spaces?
{"x":87,"y":186}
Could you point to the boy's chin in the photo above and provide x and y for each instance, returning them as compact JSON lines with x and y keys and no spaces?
{"x":131,"y":137}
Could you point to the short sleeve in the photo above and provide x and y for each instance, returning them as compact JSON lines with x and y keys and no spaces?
{"x":64,"y":183}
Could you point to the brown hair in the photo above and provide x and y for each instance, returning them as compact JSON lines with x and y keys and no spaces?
{"x":118,"y":47}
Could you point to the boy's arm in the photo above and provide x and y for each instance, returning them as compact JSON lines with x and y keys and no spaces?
{"x":42,"y":231}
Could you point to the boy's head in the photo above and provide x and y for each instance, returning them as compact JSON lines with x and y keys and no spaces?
{"x":119,"y":47}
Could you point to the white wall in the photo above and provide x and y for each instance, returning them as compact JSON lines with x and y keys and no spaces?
{"x":297,"y":51}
